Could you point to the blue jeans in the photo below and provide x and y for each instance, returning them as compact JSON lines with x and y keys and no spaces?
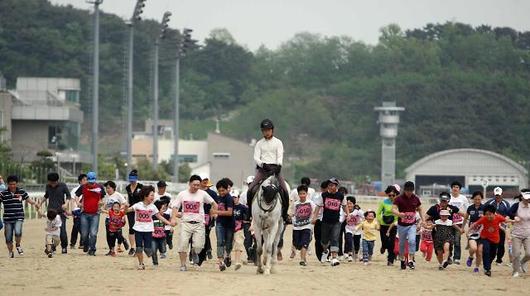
{"x":89,"y":229}
{"x":368,"y":249}
{"x":225,"y":237}
{"x":407,"y":233}
{"x":489,"y":250}
{"x":13,"y":227}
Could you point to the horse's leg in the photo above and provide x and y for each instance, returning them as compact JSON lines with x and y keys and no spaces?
{"x":276,"y":249}
{"x":259,"y":249}
{"x":269,"y":248}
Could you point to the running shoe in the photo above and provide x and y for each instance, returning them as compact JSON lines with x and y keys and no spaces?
{"x":125,"y":244}
{"x":183,"y":268}
{"x":222,"y":266}
{"x":20,"y":251}
{"x":350,"y":259}
{"x":445,"y":264}
{"x":109,"y":253}
{"x":475,"y":270}
{"x":498,"y":263}
{"x":324,"y":257}
{"x":228,"y":261}
{"x":11,"y":255}
{"x":487,"y":272}
{"x":389,"y":263}
{"x":469,"y":261}
{"x":412,"y":265}
{"x":141,"y":266}
{"x":85,"y":249}
{"x":238,"y":266}
{"x":365,"y":263}
{"x":132,"y":252}
{"x":50,"y":255}
{"x":515,"y":274}
{"x":403,"y":265}
{"x":64,"y":251}
{"x":457,"y":261}
{"x":440,"y":267}
{"x":382,"y":250}
{"x":72,"y":246}
{"x":92,"y":253}
{"x":303,"y":263}
{"x":163,"y":256}
{"x":335,"y":262}
{"x":449,"y":261}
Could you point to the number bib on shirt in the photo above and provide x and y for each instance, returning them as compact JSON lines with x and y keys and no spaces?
{"x":143,"y":216}
{"x":410,"y":218}
{"x":191,"y":207}
{"x":302,"y":214}
{"x":457,"y":218}
{"x":332,"y":204}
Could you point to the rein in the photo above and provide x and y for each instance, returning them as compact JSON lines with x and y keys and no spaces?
{"x":275,"y":201}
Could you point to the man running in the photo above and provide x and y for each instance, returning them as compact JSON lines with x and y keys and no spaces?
{"x":462,"y":203}
{"x":268,"y":155}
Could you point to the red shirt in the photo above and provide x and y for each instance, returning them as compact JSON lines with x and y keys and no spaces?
{"x":116,"y":220}
{"x":92,"y":194}
{"x":407,"y":205}
{"x":491,"y":228}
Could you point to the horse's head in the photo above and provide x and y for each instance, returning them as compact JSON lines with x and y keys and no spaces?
{"x":270,"y":188}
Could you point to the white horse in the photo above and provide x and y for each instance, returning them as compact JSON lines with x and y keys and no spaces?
{"x":267,"y":223}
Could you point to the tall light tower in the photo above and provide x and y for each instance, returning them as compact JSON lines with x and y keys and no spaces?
{"x":163,"y":29}
{"x":388,"y":122}
{"x":95,"y":92}
{"x":138,"y":9}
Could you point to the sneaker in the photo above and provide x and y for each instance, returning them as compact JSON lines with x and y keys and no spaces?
{"x":126,"y":244}
{"x":170,"y":245}
{"x":469,"y":261}
{"x":476,"y":270}
{"x":20,"y":251}
{"x":72,"y":246}
{"x":412,"y":264}
{"x":515,"y":274}
{"x":449,"y":261}
{"x":11,"y":255}
{"x":163,"y":256}
{"x":85,"y":249}
{"x":350,"y":259}
{"x":132,"y":252}
{"x":487,"y":272}
{"x":183,"y":268}
{"x":92,"y":253}
{"x":389,"y":263}
{"x":340,"y":258}
{"x":50,"y":255}
{"x":498,"y":263}
{"x":141,"y":266}
{"x":403,"y":265}
{"x":81,"y":247}
{"x":109,"y":253}
{"x":64,"y":251}
{"x":228,"y":261}
{"x":324,"y":257}
{"x":457,"y":261}
{"x":303,"y":263}
{"x":222,"y":266}
{"x":440,"y":267}
{"x":209,"y":255}
{"x":365,"y":263}
{"x":382,"y":250}
{"x":335,"y":262}
{"x":445,"y":263}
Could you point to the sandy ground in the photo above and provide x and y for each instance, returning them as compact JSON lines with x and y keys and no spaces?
{"x":78,"y":274}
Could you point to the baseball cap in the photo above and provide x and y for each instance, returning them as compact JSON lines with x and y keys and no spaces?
{"x":333,"y":181}
{"x":91,"y":177}
{"x":497,"y":191}
{"x":133,"y":176}
{"x":204,"y":176}
{"x":398,"y":188}
{"x":250,"y":179}
{"x":445,"y":196}
{"x":444,"y":213}
{"x":161,"y":183}
{"x":526,"y":195}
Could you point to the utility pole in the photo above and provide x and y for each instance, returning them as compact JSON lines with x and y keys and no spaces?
{"x":95,"y":93}
{"x":163,"y":29}
{"x":138,"y":9}
{"x":183,"y":45}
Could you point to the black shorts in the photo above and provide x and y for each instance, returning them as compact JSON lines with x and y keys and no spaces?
{"x":301,"y":238}
{"x":130,"y":220}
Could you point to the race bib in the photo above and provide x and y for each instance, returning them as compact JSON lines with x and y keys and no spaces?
{"x":303,"y":211}
{"x":353,"y":220}
{"x":159,"y":232}
{"x":457,"y":218}
{"x":143,"y":216}
{"x":410,"y":218}
{"x":332,"y":204}
{"x":191,"y":207}
{"x":426,"y":235}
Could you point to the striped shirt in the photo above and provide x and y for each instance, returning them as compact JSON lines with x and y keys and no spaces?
{"x":13,"y":208}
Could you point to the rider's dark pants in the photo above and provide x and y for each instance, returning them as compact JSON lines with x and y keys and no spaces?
{"x":260,"y":175}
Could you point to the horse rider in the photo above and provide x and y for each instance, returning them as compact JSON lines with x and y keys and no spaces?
{"x":268,"y":155}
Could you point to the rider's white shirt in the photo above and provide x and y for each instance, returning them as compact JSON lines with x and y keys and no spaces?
{"x":268,"y":151}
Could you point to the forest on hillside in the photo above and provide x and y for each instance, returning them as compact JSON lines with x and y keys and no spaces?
{"x":462,"y":86}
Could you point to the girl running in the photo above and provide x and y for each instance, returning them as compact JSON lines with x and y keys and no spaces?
{"x":474,"y":212}
{"x":444,"y":237}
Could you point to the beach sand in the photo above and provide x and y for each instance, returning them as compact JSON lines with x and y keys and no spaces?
{"x":79,"y":274}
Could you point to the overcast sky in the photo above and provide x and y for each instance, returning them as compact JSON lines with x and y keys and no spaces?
{"x":271,"y":22}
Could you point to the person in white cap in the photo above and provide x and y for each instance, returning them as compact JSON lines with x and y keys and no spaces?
{"x":502,"y":208}
{"x":520,"y":213}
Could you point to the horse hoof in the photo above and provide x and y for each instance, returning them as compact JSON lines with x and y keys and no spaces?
{"x":267,"y":272}
{"x":260,"y":271}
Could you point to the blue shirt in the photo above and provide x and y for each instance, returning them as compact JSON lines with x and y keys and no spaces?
{"x":475,"y":213}
{"x":223,"y":204}
{"x":503,"y":208}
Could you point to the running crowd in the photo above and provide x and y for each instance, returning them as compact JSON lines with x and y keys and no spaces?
{"x":341,"y":230}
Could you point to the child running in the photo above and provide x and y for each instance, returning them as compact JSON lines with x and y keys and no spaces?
{"x":159,"y":233}
{"x":143,"y":223}
{"x":240,"y":218}
{"x":353,"y":236}
{"x":116,"y":221}
{"x":370,"y":229}
{"x":489,"y":236}
{"x":302,"y":223}
{"x":444,"y":238}
{"x":427,"y":244}
{"x":53,"y":230}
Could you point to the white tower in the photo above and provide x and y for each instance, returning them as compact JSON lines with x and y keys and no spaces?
{"x":388,"y":121}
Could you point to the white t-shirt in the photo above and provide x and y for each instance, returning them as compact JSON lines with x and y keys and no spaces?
{"x":192,"y":205}
{"x":109,"y":200}
{"x":243,"y":198}
{"x":54,"y":223}
{"x":462,"y":204}
{"x":303,"y":212}
{"x":317,"y":200}
{"x":268,"y":151}
{"x":354,"y":218}
{"x":72,"y":194}
{"x":143,"y":217}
